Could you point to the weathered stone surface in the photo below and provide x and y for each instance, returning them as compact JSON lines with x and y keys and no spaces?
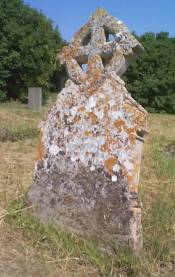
{"x":35,"y":98}
{"x":86,"y":177}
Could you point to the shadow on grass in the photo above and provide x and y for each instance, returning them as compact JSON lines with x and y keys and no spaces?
{"x":14,"y":135}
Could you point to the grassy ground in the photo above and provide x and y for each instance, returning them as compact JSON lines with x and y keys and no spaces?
{"x":28,"y":248}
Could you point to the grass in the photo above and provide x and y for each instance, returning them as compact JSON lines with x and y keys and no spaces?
{"x":27,"y":248}
{"x":66,"y":247}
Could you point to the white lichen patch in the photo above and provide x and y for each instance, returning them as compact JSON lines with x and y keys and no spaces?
{"x":128,"y":165}
{"x":114,"y":178}
{"x":73,"y":111}
{"x":92,"y":168}
{"x":116,"y":168}
{"x":54,"y":149}
{"x":99,"y":114}
{"x":91,"y":102}
{"x":116,"y":114}
{"x":112,"y":102}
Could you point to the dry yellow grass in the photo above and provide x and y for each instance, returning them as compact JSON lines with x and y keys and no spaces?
{"x":22,"y":255}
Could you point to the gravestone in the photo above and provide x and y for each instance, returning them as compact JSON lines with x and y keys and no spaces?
{"x":35,"y":98}
{"x":86,"y":177}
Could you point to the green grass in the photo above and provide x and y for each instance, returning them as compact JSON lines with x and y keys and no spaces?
{"x":41,"y":250}
{"x":69,"y":245}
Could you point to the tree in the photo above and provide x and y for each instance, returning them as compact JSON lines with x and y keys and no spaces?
{"x":28,"y":47}
{"x":151,"y":79}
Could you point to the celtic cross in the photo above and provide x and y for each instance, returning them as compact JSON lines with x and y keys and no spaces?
{"x":104,"y":44}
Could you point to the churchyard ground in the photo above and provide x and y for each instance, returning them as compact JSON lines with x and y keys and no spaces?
{"x":28,"y":248}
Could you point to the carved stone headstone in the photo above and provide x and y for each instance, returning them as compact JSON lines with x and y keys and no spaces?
{"x":35,"y":98}
{"x":86,"y":177}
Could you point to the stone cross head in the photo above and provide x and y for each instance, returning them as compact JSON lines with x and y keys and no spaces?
{"x":103,"y":44}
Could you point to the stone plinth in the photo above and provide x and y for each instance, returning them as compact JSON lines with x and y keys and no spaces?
{"x":86,"y":177}
{"x":35,"y":98}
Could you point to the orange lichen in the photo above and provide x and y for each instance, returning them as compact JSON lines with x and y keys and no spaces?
{"x":106,"y":109}
{"x":77,"y":118}
{"x":105,"y":147}
{"x":93,"y":117}
{"x":88,"y":133}
{"x":93,"y":80}
{"x":119,"y":123}
{"x":132,"y":134}
{"x":82,"y":32}
{"x":132,"y":178}
{"x":40,"y":147}
{"x":109,"y":163}
{"x":110,"y":140}
{"x":88,"y":153}
{"x":94,"y":65}
{"x":139,"y":114}
{"x":129,"y":178}
{"x":81,"y":109}
{"x":99,"y":13}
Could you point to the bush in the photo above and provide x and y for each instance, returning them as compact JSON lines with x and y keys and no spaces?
{"x":45,"y":96}
{"x":3,"y":96}
{"x":23,"y":97}
{"x":151,"y":79}
{"x":28,"y":48}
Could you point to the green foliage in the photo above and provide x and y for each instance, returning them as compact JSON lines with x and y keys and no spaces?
{"x":58,"y":78}
{"x":45,"y":96}
{"x":3,"y":96}
{"x":151,"y":79}
{"x":28,"y":48}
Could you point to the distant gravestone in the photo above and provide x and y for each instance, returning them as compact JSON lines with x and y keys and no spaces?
{"x":35,"y":98}
{"x":87,"y":173}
